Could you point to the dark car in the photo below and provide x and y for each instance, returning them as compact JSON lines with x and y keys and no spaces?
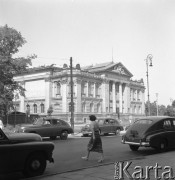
{"x":106,"y":126}
{"x":157,"y":132}
{"x":48,"y":127}
{"x":24,"y":152}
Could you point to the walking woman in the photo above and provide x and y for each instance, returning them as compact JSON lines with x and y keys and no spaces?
{"x":95,"y":143}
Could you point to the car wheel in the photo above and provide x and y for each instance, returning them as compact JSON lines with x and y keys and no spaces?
{"x":53,"y":137}
{"x":35,"y":165}
{"x":63,"y":135}
{"x":134,"y":147}
{"x":117,"y":131}
{"x":162,"y":146}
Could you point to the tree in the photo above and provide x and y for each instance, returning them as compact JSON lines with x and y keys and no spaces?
{"x":50,"y":110}
{"x":10,"y":42}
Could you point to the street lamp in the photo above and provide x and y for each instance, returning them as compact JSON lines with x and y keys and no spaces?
{"x":148,"y":63}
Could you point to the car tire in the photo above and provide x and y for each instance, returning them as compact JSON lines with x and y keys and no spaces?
{"x":162,"y":146}
{"x":35,"y":165}
{"x":117,"y":131}
{"x":64,"y":135}
{"x":53,"y":137}
{"x":134,"y":147}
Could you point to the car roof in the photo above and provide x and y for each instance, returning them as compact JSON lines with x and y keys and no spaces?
{"x":48,"y":118}
{"x":156,"y":118}
{"x":103,"y":118}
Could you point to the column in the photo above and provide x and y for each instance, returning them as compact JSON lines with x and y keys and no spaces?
{"x":78,"y":90}
{"x":94,"y":90}
{"x":64,"y":96}
{"x":47,"y":94}
{"x":105,"y":96}
{"x":87,"y":89}
{"x":114,"y":97}
{"x":22,"y":108}
{"x":126,"y":98}
{"x":120,"y":98}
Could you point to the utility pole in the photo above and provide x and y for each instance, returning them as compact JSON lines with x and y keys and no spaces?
{"x":72,"y":101}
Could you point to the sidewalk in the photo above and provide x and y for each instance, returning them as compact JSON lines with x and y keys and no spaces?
{"x":152,"y":166}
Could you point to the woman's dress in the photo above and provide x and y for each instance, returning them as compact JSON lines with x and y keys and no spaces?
{"x":95,"y":145}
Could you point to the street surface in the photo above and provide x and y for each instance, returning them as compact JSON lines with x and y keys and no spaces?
{"x":67,"y":154}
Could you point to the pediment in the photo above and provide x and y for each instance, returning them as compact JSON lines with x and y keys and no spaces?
{"x":119,"y":68}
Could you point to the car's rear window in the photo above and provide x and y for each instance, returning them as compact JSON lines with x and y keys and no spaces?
{"x":144,"y":121}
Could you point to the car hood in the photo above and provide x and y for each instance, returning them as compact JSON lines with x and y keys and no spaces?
{"x":23,"y":137}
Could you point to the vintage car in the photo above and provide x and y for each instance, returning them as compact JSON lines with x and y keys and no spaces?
{"x":157,"y":132}
{"x":106,"y":126}
{"x":48,"y":127}
{"x":23,"y":152}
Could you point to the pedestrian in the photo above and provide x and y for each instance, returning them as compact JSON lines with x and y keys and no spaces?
{"x":95,"y":143}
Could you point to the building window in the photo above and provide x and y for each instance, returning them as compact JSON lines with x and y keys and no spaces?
{"x":42,"y":108}
{"x":98,"y":108}
{"x":91,"y":107}
{"x":35,"y":108}
{"x":83,"y":107}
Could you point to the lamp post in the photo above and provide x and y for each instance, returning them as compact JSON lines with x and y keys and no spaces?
{"x":148,"y":63}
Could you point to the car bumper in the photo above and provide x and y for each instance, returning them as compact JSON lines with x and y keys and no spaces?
{"x":86,"y":133}
{"x":143,"y":144}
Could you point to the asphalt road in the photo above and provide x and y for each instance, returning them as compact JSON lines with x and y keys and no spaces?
{"x":67,"y":154}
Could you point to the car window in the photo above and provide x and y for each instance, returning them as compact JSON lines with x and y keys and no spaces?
{"x":106,"y":121}
{"x":58,"y":123}
{"x":144,"y":121}
{"x":54,"y":122}
{"x":111,"y":121}
{"x":167,"y":124}
{"x":47,"y":122}
{"x":1,"y":135}
{"x":173,"y":123}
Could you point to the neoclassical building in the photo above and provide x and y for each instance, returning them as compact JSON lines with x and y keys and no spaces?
{"x":104,"y":89}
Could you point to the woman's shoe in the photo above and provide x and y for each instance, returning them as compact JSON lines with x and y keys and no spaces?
{"x":85,"y":158}
{"x":100,"y":160}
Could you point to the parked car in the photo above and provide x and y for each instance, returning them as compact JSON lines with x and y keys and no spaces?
{"x":23,"y":152}
{"x":157,"y":132}
{"x":106,"y":125}
{"x":48,"y":127}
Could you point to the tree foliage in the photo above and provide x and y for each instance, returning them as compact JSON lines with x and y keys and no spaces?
{"x":10,"y":42}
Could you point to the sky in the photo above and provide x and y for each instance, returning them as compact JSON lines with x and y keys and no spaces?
{"x":98,"y":31}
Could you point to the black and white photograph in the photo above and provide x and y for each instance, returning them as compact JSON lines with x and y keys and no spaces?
{"x":87,"y":89}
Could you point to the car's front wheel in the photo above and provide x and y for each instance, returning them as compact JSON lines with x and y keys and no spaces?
{"x":35,"y":165}
{"x":64,"y":135}
{"x":134,"y":147}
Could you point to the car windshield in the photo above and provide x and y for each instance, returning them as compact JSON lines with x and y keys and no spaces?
{"x":39,"y":121}
{"x":144,"y":121}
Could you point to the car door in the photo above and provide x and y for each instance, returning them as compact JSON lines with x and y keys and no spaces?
{"x":46,"y":128}
{"x":105,"y":128}
{"x":168,"y":131}
{"x":173,"y":132}
{"x":112,"y":125}
{"x":59,"y":127}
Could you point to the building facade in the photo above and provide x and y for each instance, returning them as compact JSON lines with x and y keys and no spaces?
{"x":103,"y":89}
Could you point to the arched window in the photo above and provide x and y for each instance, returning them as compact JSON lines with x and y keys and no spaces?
{"x":35,"y":108}
{"x":83,"y":107}
{"x":42,"y":108}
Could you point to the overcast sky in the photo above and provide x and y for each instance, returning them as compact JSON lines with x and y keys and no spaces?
{"x":97,"y":31}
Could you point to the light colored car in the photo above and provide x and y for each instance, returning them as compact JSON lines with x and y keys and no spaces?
{"x":106,"y":126}
{"x":24,"y":152}
{"x":48,"y":127}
